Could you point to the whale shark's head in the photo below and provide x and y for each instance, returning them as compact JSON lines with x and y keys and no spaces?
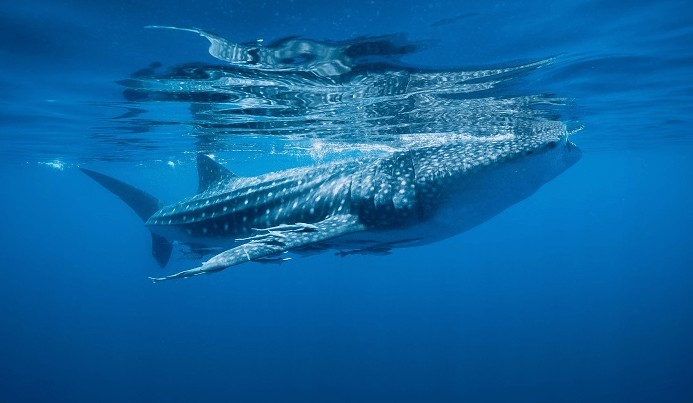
{"x":538,"y":156}
{"x":522,"y":174}
{"x":482,"y":177}
{"x":555,"y":156}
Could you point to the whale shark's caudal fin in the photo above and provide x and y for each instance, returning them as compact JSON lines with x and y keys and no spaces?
{"x":142,"y":203}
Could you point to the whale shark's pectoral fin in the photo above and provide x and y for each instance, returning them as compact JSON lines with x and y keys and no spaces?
{"x":276,"y":240}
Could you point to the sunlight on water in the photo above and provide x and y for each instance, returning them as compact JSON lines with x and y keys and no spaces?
{"x":55,"y":164}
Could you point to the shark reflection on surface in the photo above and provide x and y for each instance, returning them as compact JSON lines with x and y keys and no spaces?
{"x":353,"y":94}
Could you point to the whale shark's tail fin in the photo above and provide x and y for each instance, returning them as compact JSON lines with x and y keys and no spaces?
{"x":142,"y":203}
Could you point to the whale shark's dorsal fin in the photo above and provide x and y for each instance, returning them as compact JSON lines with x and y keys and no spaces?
{"x":210,"y":173}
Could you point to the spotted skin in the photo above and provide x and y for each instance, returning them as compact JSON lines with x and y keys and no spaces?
{"x":267,"y":215}
{"x":233,"y":207}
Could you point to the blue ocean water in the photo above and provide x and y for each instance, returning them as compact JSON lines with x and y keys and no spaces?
{"x":582,"y":292}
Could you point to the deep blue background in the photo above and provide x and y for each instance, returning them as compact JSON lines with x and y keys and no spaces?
{"x":581,"y":293}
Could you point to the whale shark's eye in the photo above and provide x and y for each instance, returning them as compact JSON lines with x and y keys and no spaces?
{"x":551,"y":145}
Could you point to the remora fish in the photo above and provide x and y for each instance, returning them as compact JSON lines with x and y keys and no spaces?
{"x":408,"y":198}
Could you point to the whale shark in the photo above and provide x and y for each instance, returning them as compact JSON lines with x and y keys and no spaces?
{"x":407,"y":198}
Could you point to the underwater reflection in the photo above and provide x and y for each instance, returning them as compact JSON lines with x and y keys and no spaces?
{"x":346,"y":95}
